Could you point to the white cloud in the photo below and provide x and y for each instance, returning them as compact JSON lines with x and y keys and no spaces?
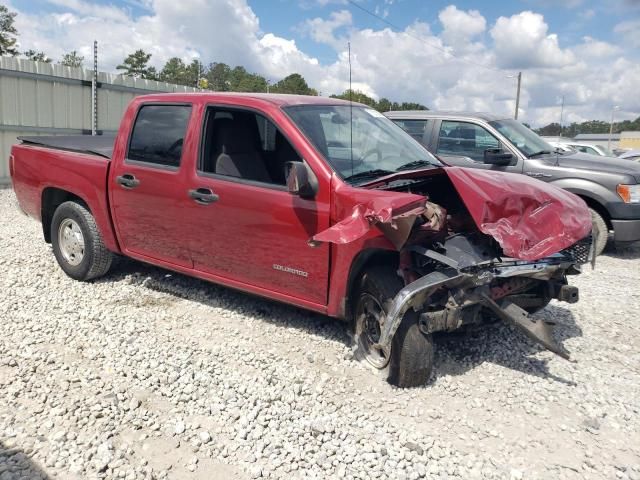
{"x":323,"y":31}
{"x":630,"y":31}
{"x":521,"y":41}
{"x":415,"y":64}
{"x":459,"y":27}
{"x":594,"y":48}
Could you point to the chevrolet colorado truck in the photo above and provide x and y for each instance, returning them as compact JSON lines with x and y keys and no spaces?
{"x":610,"y":186}
{"x":315,"y":202}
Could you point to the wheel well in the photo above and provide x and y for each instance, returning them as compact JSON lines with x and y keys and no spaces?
{"x":364,"y":260}
{"x":598,"y":207}
{"x":52,"y":198}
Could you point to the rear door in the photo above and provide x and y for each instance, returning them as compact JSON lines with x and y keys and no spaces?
{"x":463,"y":144}
{"x":148,"y":188}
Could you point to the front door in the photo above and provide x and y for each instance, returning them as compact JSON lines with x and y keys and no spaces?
{"x":244,"y":225}
{"x":147,"y":189}
{"x":463,"y":144}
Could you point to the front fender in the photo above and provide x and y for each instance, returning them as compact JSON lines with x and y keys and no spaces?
{"x":587,"y":188}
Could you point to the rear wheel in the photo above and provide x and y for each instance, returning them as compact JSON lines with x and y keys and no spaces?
{"x":600,"y":231}
{"x":77,"y":243}
{"x":409,"y":360}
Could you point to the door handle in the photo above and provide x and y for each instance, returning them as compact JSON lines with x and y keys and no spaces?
{"x":127,"y":181}
{"x":203,"y":196}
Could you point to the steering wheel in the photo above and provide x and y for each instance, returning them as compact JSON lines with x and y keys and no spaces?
{"x":174,"y":146}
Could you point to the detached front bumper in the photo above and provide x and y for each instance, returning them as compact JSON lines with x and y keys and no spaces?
{"x":474,"y":287}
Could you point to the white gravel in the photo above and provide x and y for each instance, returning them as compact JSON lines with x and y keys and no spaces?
{"x":149,"y":374}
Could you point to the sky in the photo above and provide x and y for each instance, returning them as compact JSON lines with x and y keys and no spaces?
{"x":453,"y":55}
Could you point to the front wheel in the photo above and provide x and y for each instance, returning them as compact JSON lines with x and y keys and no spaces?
{"x":77,"y":243}
{"x":409,"y":360}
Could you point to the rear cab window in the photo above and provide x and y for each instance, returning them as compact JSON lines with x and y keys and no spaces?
{"x":415,"y":128}
{"x":158,"y":135}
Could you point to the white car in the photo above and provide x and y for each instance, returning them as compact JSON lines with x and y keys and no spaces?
{"x":631,"y":155}
{"x":561,"y":146}
{"x":592,"y":149}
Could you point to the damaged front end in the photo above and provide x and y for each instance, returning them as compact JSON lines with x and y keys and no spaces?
{"x":473,"y":246}
{"x":461,"y":282}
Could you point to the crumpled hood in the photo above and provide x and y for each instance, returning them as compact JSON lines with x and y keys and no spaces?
{"x":530,"y":219}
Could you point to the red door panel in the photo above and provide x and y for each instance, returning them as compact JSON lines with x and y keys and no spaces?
{"x":258,"y":235}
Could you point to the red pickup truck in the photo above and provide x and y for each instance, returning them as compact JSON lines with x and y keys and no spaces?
{"x":314,"y":202}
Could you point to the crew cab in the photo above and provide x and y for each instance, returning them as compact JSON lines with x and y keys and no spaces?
{"x":609,"y":186}
{"x":315,"y":202}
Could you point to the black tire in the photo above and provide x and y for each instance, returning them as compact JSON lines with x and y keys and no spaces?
{"x":410,"y":360}
{"x":600,"y":228}
{"x":95,"y":259}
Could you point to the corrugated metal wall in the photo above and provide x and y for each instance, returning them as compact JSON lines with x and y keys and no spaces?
{"x":38,"y":98}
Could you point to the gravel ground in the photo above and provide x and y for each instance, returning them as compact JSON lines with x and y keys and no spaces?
{"x":149,"y":374}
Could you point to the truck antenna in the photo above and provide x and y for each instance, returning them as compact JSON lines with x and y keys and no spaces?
{"x":350,"y":110}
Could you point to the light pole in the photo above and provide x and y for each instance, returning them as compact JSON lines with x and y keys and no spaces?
{"x":561,"y":112}
{"x":616,"y":107}
{"x":519,"y":77}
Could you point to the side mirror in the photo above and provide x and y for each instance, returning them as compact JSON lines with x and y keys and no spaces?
{"x":496,"y":156}
{"x":300,"y":180}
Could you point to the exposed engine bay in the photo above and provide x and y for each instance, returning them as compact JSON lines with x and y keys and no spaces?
{"x":468,"y":254}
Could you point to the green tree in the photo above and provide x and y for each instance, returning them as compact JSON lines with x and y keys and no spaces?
{"x":590,"y":126}
{"x":194,"y":72}
{"x":412,"y":106}
{"x":357,"y":96}
{"x":8,"y":32}
{"x":37,"y":56}
{"x":242,"y":81}
{"x":385,"y":105}
{"x":137,"y":65}
{"x":295,"y":84}
{"x":174,"y":71}
{"x":218,"y":76}
{"x":72,"y":59}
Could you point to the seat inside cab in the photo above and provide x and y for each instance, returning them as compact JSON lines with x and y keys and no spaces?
{"x":245,"y":145}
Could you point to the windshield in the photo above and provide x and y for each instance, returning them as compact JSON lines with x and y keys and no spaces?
{"x":527,"y":141}
{"x":372,"y":146}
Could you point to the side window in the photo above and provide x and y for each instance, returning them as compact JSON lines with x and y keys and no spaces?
{"x":415,"y":128}
{"x":158,"y":134}
{"x":465,"y":140}
{"x":245,"y":145}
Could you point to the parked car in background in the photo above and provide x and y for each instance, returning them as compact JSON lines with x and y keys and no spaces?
{"x":315,"y":202}
{"x":609,"y":186}
{"x":561,"y":146}
{"x":631,"y":155}
{"x":590,"y":149}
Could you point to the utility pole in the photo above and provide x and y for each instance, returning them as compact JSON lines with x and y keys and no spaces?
{"x":94,"y":91}
{"x":616,"y":107}
{"x":518,"y":94}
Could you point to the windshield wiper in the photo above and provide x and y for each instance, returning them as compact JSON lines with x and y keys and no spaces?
{"x":541,"y":152}
{"x":414,"y":164}
{"x":376,"y":172}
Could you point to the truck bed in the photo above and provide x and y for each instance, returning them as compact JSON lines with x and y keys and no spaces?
{"x":101,"y":145}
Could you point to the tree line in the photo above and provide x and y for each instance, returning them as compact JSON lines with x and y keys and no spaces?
{"x":590,"y":126}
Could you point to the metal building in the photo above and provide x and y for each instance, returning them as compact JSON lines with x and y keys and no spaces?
{"x":38,"y":98}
